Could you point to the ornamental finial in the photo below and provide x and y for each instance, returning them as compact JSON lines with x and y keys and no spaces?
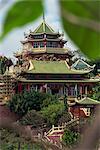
{"x":43,"y":16}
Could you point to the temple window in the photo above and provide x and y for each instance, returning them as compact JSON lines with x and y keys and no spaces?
{"x":41,"y":44}
{"x":51,"y":44}
{"x":54,"y":44}
{"x":35,"y":45}
{"x":72,"y":91}
{"x":69,"y":91}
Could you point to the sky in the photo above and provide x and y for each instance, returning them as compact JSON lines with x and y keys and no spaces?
{"x":11,"y":42}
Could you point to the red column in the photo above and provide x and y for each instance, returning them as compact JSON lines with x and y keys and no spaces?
{"x":81,"y":90}
{"x":19,"y":87}
{"x":44,"y":43}
{"x":28,"y":87}
{"x":33,"y":43}
{"x":79,"y":112}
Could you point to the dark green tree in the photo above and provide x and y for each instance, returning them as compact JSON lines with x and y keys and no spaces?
{"x":23,"y":102}
{"x":65,"y":117}
{"x":70,"y":138}
{"x":2,"y":65}
{"x":65,"y":103}
{"x":33,"y":118}
{"x":5,"y":63}
{"x":52,"y":113}
{"x":96,"y":92}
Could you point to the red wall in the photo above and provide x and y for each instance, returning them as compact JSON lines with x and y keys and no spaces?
{"x":76,"y":112}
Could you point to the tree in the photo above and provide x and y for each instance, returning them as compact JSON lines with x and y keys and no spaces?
{"x":33,"y":118}
{"x":65,"y":103}
{"x":8,"y":63}
{"x":65,"y":117}
{"x":10,"y":140}
{"x":23,"y":102}
{"x":4,"y":64}
{"x":48,"y":99}
{"x":70,"y":137}
{"x":97,"y":66}
{"x":52,"y":113}
{"x":96,"y":92}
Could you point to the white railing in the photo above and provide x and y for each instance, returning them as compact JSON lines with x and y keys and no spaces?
{"x":61,"y":128}
{"x":39,"y":49}
{"x":48,"y":49}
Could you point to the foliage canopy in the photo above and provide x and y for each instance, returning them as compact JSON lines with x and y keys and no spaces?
{"x":21,"y":13}
{"x":81,"y":22}
{"x":70,"y":137}
{"x":33,"y":118}
{"x":52,"y":113}
{"x":23,"y":102}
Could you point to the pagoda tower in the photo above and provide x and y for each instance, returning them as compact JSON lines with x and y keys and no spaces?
{"x":44,"y":44}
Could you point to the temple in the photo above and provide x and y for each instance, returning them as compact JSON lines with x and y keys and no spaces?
{"x":50,"y":66}
{"x":45,"y":64}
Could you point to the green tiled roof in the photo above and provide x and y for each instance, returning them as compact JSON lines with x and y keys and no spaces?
{"x":54,"y":67}
{"x":44,"y":27}
{"x":88,"y":101}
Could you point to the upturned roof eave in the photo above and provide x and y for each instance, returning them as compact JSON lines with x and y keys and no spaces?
{"x":55,"y":33}
{"x":87,"y":101}
{"x":80,"y":60}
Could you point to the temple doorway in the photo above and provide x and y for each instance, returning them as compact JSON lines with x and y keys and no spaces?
{"x":54,"y":91}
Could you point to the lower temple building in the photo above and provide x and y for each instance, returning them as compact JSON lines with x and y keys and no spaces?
{"x":45,"y":64}
{"x":56,"y":77}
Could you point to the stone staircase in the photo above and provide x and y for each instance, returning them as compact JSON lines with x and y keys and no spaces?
{"x":55,"y":134}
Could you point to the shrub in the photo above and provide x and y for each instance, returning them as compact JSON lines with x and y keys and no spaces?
{"x":52,"y":113}
{"x":70,"y":137}
{"x":33,"y":118}
{"x":65,"y":117}
{"x":23,"y":102}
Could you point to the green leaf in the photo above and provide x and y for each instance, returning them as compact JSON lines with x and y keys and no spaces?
{"x":81,"y":22}
{"x":21,"y":13}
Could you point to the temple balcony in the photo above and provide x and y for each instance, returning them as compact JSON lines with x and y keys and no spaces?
{"x":47,"y":49}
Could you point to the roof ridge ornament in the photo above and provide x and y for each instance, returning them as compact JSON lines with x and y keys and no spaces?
{"x":44,"y":28}
{"x":43,"y":17}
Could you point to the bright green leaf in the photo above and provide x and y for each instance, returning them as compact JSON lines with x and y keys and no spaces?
{"x":21,"y":13}
{"x":81,"y":21}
